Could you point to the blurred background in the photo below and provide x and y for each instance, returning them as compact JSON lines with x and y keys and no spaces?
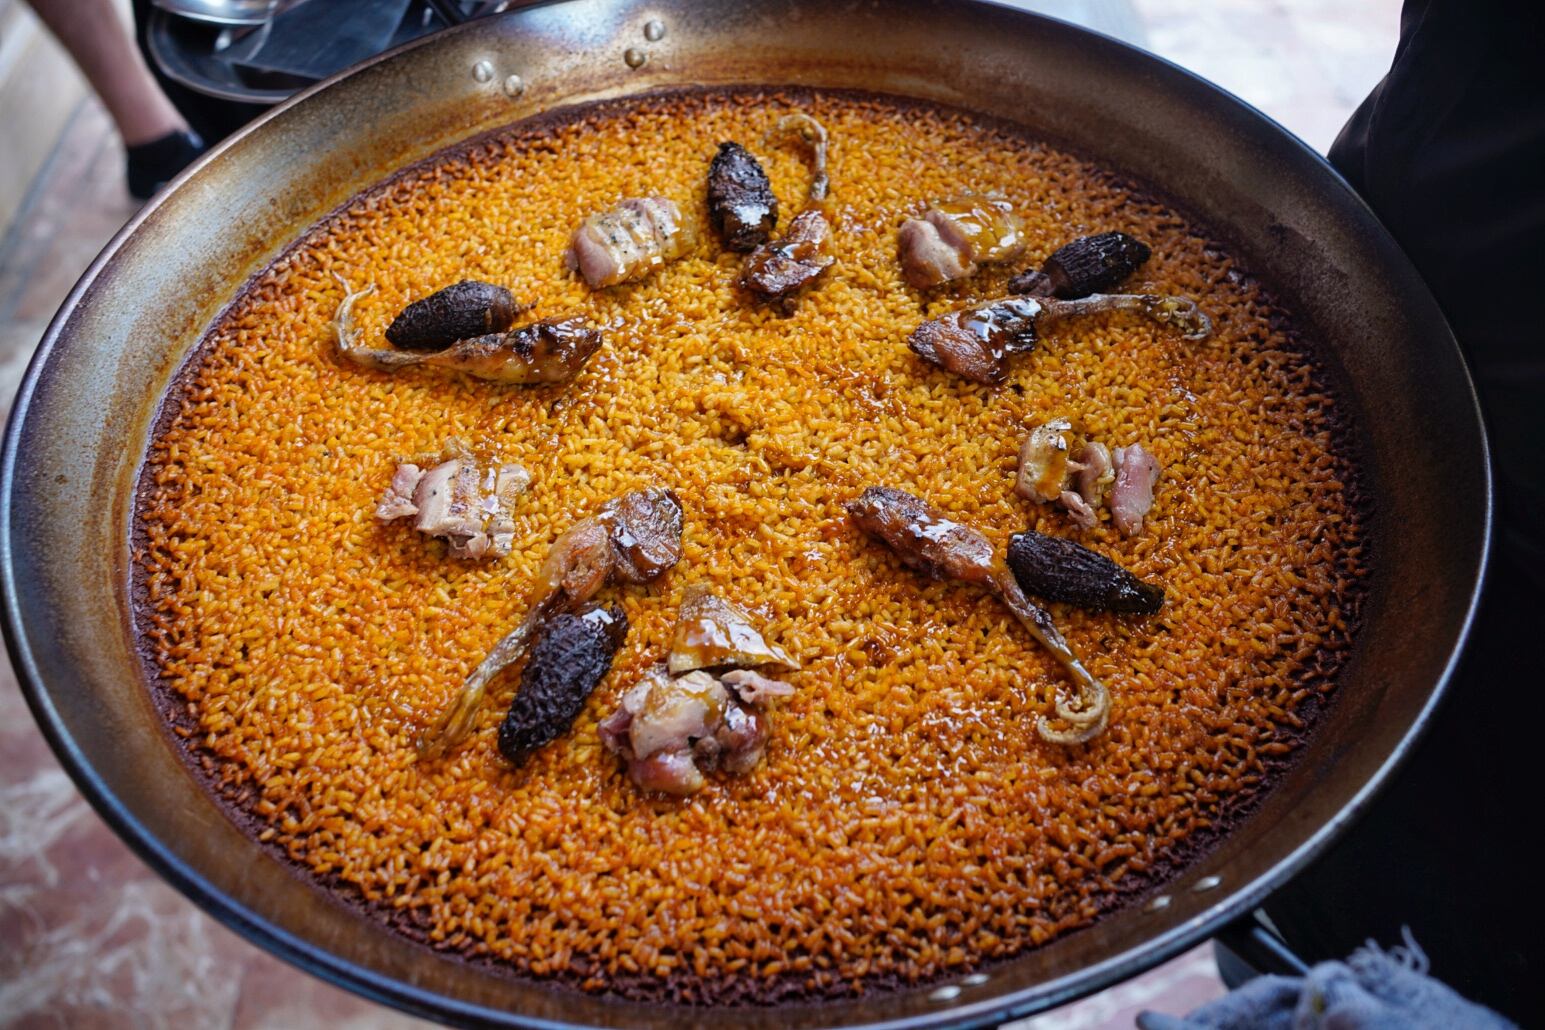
{"x":91,"y":937}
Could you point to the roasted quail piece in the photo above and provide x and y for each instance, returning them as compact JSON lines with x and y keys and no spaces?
{"x":925,"y":540}
{"x":712,"y":632}
{"x":1087,"y":265}
{"x":741,"y":204}
{"x":550,"y":351}
{"x":1062,"y":570}
{"x":976,"y":341}
{"x":1058,"y":466}
{"x":457,"y":496}
{"x":779,"y":270}
{"x":573,"y":654}
{"x":633,"y":538}
{"x":955,"y":237}
{"x":458,"y":312}
{"x":628,"y":241}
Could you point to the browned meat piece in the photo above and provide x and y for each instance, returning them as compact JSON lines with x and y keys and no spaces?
{"x":956,"y":236}
{"x":573,"y":654}
{"x":466,"y":501}
{"x":671,"y":731}
{"x":1136,"y":473}
{"x":927,"y":541}
{"x":741,"y":204}
{"x":466,"y":309}
{"x":1057,"y":467}
{"x":711,"y":632}
{"x":1062,"y":570}
{"x":976,"y":341}
{"x":630,"y":240}
{"x":633,"y":538}
{"x":780,"y":269}
{"x":1094,"y":263}
{"x":549,"y":351}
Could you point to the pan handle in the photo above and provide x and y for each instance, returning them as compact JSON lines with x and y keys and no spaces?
{"x":1253,"y":940}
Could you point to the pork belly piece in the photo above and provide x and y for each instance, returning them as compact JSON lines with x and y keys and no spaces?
{"x":1132,"y":496}
{"x":955,"y":237}
{"x":1063,"y":570}
{"x":925,"y":540}
{"x":633,"y":538}
{"x":672,"y":731}
{"x":976,"y":341}
{"x":458,"y":312}
{"x":466,"y":501}
{"x":573,"y":654}
{"x":628,"y":241}
{"x":741,"y":205}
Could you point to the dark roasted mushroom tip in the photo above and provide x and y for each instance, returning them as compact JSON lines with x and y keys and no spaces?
{"x":1064,"y":570}
{"x":1091,"y":264}
{"x":573,"y":655}
{"x":463,"y":310}
{"x":741,"y":204}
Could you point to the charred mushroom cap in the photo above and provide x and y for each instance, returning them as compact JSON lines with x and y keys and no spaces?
{"x":458,"y":312}
{"x":573,"y":654}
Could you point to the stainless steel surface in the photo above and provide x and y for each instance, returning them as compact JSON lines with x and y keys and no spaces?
{"x":220,"y":12}
{"x":80,"y":425}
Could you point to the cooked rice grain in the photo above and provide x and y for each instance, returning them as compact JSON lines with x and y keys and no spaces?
{"x":907,"y":821}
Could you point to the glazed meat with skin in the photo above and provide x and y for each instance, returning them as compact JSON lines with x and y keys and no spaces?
{"x":672,"y":731}
{"x":633,"y":538}
{"x":458,"y":312}
{"x":712,"y":632}
{"x":550,"y":351}
{"x":1062,"y":570}
{"x":976,"y":342}
{"x":741,"y":204}
{"x":925,"y":540}
{"x":467,"y":502}
{"x":955,"y":237}
{"x":573,"y":654}
{"x":779,"y":270}
{"x":1056,"y":467}
{"x":626,"y":242}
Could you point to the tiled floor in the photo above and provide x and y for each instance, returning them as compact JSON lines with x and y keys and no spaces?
{"x":92,"y":939}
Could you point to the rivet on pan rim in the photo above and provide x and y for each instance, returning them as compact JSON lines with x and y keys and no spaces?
{"x":1206,"y":883}
{"x":1159,"y":903}
{"x":514,"y":85}
{"x":949,"y":992}
{"x":482,"y":71}
{"x":633,"y":57}
{"x":975,"y":980}
{"x":654,"y":30}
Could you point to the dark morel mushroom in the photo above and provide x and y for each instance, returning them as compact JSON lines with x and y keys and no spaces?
{"x":1062,"y":570}
{"x":469,"y":308}
{"x":741,"y":204}
{"x":573,"y":654}
{"x":1091,"y":264}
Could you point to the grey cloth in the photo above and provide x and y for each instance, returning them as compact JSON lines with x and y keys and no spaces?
{"x":1372,"y":990}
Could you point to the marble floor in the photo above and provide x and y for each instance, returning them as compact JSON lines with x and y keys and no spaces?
{"x":93,"y":939}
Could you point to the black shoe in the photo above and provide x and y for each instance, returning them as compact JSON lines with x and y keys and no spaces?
{"x":152,"y":165}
